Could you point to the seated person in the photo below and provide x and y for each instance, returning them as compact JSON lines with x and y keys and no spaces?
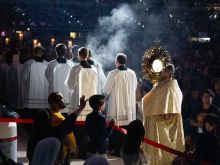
{"x":57,"y":104}
{"x":211,"y":124}
{"x":96,"y":126}
{"x":42,"y":127}
{"x":131,"y":153}
{"x":207,"y":149}
{"x":207,"y":107}
{"x":46,"y":151}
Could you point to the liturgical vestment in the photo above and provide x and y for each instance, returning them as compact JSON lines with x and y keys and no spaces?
{"x":163,"y":121}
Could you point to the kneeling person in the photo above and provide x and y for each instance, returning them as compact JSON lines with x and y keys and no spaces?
{"x":57,"y":104}
{"x":96,"y":126}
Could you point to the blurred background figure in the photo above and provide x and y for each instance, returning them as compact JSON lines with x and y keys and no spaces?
{"x":100,"y":72}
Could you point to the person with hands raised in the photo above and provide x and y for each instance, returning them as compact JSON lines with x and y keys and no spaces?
{"x":43,"y":128}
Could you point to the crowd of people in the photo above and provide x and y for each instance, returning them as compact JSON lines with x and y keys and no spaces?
{"x":61,"y":91}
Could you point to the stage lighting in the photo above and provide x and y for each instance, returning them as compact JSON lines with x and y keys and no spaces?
{"x":35,"y":41}
{"x":73,"y":35}
{"x":52,"y":41}
{"x":3,"y":33}
{"x":21,"y":36}
{"x":7,"y":40}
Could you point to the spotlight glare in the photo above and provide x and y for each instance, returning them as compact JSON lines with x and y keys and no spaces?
{"x":7,"y":40}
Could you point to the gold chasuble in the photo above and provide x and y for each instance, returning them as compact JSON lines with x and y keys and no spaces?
{"x":163,"y":121}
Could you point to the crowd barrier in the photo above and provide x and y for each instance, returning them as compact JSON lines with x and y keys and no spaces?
{"x":122,"y":130}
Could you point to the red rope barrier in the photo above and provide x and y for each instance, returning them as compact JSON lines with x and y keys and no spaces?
{"x":8,"y":139}
{"x":21,"y":121}
{"x":122,"y":130}
{"x":153,"y":143}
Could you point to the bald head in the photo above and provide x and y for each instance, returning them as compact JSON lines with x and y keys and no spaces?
{"x":168,"y":71}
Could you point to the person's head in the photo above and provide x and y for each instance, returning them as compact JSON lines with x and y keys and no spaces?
{"x":195,"y":93}
{"x":135,"y":135}
{"x":9,"y":57}
{"x":210,"y":122}
{"x":74,"y":51}
{"x":96,"y":160}
{"x":38,"y":51}
{"x":61,"y":50}
{"x":207,"y":97}
{"x":83,"y":54}
{"x":97,"y":102}
{"x":120,"y":59}
{"x":168,"y":71}
{"x":56,"y":101}
{"x":16,"y":55}
{"x":207,"y":148}
{"x":217,"y":87}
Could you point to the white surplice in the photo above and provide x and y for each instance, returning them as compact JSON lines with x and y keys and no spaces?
{"x":82,"y":81}
{"x":121,"y":87}
{"x":56,"y":74}
{"x":14,"y":76}
{"x":101,"y":77}
{"x":35,"y":84}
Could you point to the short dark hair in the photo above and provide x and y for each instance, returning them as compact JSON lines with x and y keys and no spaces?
{"x":135,"y":135}
{"x":83,"y":52}
{"x":38,"y":50}
{"x":96,"y":101}
{"x":207,"y":148}
{"x":9,"y":57}
{"x":211,"y":118}
{"x":74,"y":50}
{"x":61,"y":49}
{"x":121,"y":58}
{"x":54,"y":98}
{"x":209,"y":92}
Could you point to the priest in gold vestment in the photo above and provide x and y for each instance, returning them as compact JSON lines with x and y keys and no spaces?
{"x":163,"y":119}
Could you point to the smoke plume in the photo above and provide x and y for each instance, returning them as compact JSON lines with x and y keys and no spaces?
{"x":111,"y":35}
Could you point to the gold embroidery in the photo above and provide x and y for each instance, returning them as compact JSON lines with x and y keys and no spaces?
{"x":170,"y":122}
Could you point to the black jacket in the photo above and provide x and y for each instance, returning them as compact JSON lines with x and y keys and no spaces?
{"x":42,"y":129}
{"x":98,"y":132}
